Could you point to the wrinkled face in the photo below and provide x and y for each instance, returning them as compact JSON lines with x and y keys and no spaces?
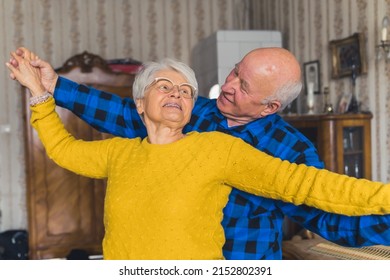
{"x":243,"y":94}
{"x":164,"y":104}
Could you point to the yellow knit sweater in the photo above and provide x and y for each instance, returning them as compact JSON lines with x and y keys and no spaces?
{"x":166,"y":201}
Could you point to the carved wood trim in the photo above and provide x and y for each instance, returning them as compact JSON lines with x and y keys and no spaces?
{"x":86,"y":62}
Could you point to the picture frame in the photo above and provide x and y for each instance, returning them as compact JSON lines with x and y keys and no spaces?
{"x":343,"y":104}
{"x":312,"y":74}
{"x":348,"y":56}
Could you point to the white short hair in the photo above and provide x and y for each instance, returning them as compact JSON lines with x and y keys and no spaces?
{"x":147,"y":74}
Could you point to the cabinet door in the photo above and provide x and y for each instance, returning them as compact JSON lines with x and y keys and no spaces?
{"x":354,"y":148}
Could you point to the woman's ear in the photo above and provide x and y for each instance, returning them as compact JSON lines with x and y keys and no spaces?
{"x":139,"y":103}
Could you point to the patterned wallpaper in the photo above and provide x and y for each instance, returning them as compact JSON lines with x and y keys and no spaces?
{"x":309,"y":25}
{"x":56,"y":30}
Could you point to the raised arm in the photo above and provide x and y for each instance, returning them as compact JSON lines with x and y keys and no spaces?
{"x":85,"y":158}
{"x":104,"y":111}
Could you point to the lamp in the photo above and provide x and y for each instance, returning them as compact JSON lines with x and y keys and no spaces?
{"x":384,"y":47}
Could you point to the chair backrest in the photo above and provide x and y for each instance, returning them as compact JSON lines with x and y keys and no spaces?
{"x":90,"y":69}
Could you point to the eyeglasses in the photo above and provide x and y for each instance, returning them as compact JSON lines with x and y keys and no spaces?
{"x":166,"y":86}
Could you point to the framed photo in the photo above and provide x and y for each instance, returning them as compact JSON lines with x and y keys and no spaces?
{"x":312,"y":75}
{"x":348,"y":56}
{"x":343,"y":104}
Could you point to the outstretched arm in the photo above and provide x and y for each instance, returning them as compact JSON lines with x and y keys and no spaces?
{"x":298,"y":184}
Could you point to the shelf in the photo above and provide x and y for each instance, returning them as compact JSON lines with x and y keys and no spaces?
{"x":353,"y":153}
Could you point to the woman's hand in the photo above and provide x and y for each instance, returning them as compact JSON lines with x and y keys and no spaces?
{"x":48,"y":76}
{"x":27,"y":75}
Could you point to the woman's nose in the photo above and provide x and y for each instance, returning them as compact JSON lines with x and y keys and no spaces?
{"x":175,"y":92}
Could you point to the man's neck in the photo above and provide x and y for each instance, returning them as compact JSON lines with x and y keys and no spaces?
{"x":233,"y":123}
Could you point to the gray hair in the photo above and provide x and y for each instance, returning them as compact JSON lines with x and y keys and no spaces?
{"x":285,"y":94}
{"x":146,"y":75}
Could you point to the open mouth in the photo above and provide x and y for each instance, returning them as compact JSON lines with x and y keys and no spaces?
{"x":173,"y":105}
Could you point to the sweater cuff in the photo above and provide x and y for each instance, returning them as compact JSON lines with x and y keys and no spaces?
{"x":43,"y":109}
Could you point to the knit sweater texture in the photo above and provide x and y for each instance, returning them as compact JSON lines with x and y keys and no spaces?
{"x":166,"y":201}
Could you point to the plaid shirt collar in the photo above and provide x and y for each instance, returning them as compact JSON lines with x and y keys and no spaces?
{"x":253,"y":130}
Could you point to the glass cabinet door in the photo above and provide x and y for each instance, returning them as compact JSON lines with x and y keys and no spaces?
{"x":353,"y":151}
{"x":343,"y":141}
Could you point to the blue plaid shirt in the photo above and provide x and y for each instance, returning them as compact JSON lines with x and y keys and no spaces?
{"x":253,"y":225}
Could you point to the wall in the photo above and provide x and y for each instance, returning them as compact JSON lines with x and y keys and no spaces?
{"x":308,"y":26}
{"x":57,"y":29}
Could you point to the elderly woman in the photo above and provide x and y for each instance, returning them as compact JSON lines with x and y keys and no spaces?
{"x":165,"y":193}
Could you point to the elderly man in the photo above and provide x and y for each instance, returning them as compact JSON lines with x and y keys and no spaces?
{"x":261,"y":84}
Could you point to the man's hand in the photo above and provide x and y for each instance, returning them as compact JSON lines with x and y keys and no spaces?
{"x":47,"y":74}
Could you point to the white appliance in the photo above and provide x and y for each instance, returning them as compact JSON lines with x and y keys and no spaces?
{"x":215,"y":56}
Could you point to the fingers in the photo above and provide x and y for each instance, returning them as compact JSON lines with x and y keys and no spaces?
{"x":17,"y":65}
{"x":10,"y":66}
{"x":14,"y":62}
{"x":33,"y":56}
{"x":18,"y":59}
{"x":26,"y":54}
{"x":12,"y":76}
{"x":25,"y":74}
{"x":20,"y":52}
{"x":14,"y":71}
{"x":21,"y":62}
{"x":39,"y":63}
{"x":23,"y":52}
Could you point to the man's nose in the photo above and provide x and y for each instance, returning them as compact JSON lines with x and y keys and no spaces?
{"x":230,"y":85}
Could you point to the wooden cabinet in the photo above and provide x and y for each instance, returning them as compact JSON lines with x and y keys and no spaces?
{"x":65,"y":211}
{"x":343,"y":140}
{"x":344,"y":144}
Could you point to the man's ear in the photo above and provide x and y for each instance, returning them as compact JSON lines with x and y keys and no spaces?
{"x":139,"y":103}
{"x":271,"y":108}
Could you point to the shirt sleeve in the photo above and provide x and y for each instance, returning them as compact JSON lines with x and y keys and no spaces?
{"x":344,"y":230}
{"x":102,"y":110}
{"x":87,"y":158}
{"x":256,"y":172}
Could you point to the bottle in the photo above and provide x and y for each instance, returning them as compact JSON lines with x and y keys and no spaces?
{"x":354,"y":104}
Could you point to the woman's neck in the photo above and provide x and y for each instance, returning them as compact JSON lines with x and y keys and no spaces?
{"x":164,"y":135}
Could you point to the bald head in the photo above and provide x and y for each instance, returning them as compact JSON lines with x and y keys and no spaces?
{"x":279,"y":69}
{"x":277,"y":63}
{"x":264,"y":82}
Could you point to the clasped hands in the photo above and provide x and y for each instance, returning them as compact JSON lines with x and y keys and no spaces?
{"x":32,"y":72}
